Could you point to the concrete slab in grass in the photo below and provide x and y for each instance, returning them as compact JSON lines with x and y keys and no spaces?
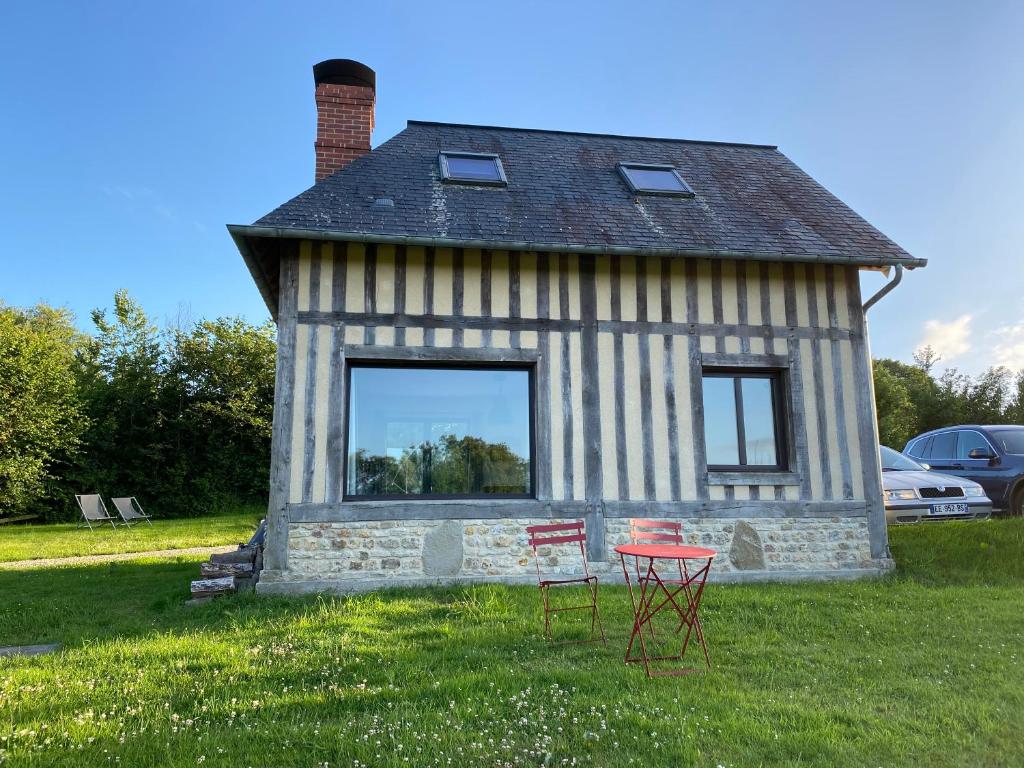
{"x":29,"y":650}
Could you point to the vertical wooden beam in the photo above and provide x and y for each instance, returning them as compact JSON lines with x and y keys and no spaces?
{"x":336,"y":416}
{"x":401,"y":262}
{"x":309,"y":415}
{"x":716,"y":302}
{"x":370,"y":290}
{"x":619,"y":365}
{"x":514,"y":300}
{"x":700,"y":460}
{"x":672,"y":417}
{"x":543,"y":411}
{"x":594,"y":479}
{"x":866,"y":421}
{"x":646,"y":407}
{"x":798,"y":407}
{"x":276,"y":549}
{"x":428,"y":294}
{"x":842,"y":435}
{"x":820,"y":406}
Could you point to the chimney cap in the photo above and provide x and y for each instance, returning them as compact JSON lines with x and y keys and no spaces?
{"x":344,"y":72}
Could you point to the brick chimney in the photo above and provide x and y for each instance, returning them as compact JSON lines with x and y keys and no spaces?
{"x":345,"y":95}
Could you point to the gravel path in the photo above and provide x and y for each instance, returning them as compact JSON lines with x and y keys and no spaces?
{"x":89,"y":559}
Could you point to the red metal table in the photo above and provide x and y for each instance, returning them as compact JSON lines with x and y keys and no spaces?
{"x":671,"y":592}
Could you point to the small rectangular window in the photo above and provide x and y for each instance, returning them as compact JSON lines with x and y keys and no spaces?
{"x":436,"y":431}
{"x":472,"y":168}
{"x":654,"y":179}
{"x":743,"y":420}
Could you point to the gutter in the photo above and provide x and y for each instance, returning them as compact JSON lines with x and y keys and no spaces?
{"x":239,"y":231}
{"x":885,"y":289}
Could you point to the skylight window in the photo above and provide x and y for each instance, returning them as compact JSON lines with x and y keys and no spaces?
{"x":654,"y":179}
{"x":472,"y":168}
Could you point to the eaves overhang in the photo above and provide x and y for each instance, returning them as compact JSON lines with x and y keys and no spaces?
{"x":246,"y":236}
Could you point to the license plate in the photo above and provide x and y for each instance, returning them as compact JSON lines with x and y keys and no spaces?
{"x":948,"y":509}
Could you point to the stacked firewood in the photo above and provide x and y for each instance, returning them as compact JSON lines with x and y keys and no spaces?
{"x":228,"y":572}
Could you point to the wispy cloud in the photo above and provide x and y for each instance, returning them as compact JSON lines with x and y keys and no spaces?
{"x":138,"y":197}
{"x":949,"y":339}
{"x":1007,"y":345}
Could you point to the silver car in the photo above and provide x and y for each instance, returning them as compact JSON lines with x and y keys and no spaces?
{"x":913,"y":494}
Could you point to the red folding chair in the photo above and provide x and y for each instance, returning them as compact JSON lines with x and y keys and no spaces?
{"x":555,"y":534}
{"x":655,"y":531}
{"x":661,"y":532}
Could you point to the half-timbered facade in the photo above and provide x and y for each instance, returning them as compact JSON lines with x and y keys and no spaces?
{"x":460,"y":357}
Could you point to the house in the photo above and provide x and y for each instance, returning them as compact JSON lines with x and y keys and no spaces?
{"x":484,"y":327}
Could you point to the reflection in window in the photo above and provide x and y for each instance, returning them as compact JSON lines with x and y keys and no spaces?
{"x":741,"y":420}
{"x":655,"y":179}
{"x":472,"y":167}
{"x":438,"y":431}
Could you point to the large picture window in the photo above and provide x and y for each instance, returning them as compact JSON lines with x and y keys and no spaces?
{"x":439,"y":432}
{"x":743,"y":419}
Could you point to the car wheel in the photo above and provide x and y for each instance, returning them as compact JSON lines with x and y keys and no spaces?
{"x":1017,"y":504}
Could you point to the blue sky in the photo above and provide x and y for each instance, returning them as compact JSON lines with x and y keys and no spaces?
{"x":131,"y":133}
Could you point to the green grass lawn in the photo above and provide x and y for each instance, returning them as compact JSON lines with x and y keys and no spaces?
{"x":923,"y":668}
{"x":31,"y":542}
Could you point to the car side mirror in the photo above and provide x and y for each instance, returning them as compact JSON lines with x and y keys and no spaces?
{"x":980,"y":453}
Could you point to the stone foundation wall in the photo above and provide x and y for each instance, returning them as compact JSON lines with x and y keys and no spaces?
{"x":366,"y":555}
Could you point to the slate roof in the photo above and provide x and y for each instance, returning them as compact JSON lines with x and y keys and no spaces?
{"x":565,"y":192}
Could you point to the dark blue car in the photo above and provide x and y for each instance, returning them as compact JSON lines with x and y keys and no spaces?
{"x":991,"y":456}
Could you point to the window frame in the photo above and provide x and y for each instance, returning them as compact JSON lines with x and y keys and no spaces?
{"x":447,"y":176}
{"x":780,"y":413}
{"x":686,"y":191}
{"x":529,"y":368}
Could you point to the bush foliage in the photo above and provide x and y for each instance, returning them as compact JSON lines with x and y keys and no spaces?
{"x":180,"y":417}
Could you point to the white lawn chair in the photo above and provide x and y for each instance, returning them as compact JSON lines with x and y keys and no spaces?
{"x":131,"y":511}
{"x":94,"y":511}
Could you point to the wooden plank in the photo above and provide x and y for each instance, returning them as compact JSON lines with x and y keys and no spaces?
{"x":458,"y":290}
{"x":220,"y":570}
{"x":401,"y":265}
{"x":716,"y":302}
{"x":742,"y":315}
{"x":668,"y":375}
{"x":743,"y":359}
{"x":694,"y":373}
{"x":798,"y":407}
{"x":672,"y":417}
{"x":752,"y":478}
{"x":241,"y":555}
{"x":500,"y":509}
{"x":591,"y":397}
{"x":543,"y":387}
{"x":467,"y":354}
{"x":564,"y":325}
{"x":565,"y":376}
{"x":370,"y":291}
{"x":428,"y":293}
{"x":842,"y":435}
{"x":866,"y":422}
{"x":309,"y":403}
{"x":486,"y":264}
{"x":213,"y":587}
{"x":514,"y":300}
{"x":819,"y":391}
{"x":281,"y":429}
{"x":619,"y":365}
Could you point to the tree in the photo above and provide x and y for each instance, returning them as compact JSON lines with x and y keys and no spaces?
{"x":897,"y":416}
{"x":122,"y":451}
{"x":40,"y":412}
{"x":218,"y":399}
